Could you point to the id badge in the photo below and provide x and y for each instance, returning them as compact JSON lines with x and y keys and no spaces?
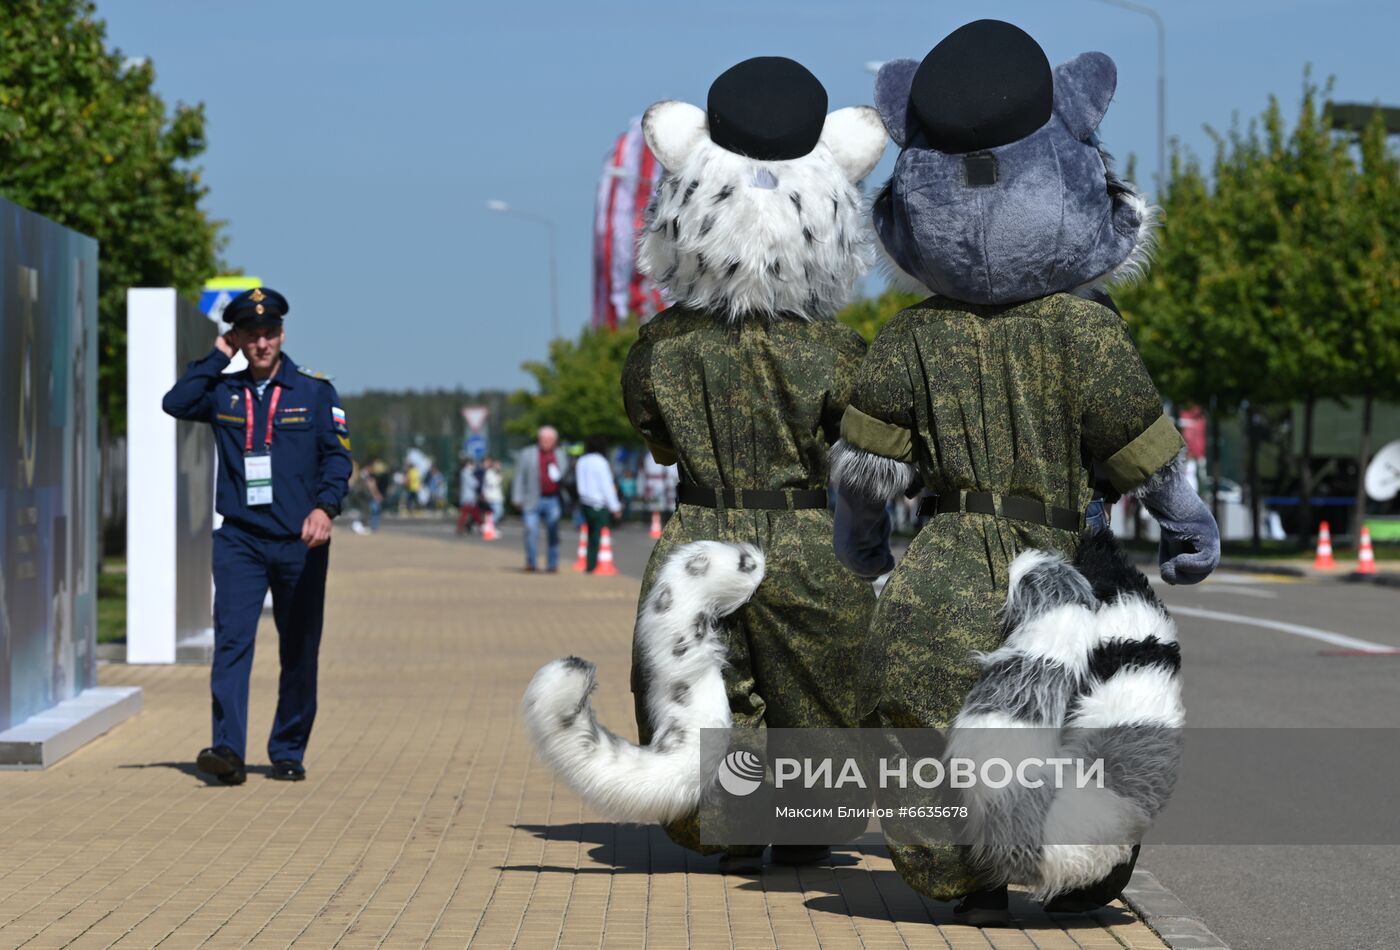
{"x":257,"y":474}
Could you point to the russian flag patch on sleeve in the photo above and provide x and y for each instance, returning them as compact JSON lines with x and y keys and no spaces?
{"x":342,"y":428}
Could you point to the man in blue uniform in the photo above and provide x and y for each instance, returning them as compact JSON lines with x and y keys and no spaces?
{"x":284,"y":468}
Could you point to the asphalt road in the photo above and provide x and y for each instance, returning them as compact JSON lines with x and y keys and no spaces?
{"x":1236,"y":674}
{"x":1258,"y":652}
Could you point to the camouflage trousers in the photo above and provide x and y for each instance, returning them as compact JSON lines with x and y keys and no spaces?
{"x":792,"y":648}
{"x":940,"y":608}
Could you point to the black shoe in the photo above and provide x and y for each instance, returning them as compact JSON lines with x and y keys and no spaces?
{"x":287,"y":770}
{"x":1084,"y":899}
{"x":984,"y":909}
{"x":741,"y":863}
{"x":223,"y":763}
{"x":801,"y":855}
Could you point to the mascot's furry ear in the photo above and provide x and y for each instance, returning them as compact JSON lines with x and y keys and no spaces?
{"x":893,"y":84}
{"x":1084,"y":87}
{"x":672,"y":130}
{"x":856,"y":140}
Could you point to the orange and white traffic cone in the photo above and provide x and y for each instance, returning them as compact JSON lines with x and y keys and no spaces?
{"x":1366,"y":560}
{"x":488,"y":530}
{"x":1324,"y":561}
{"x":581,"y":563}
{"x":606,"y":567}
{"x":655,"y":525}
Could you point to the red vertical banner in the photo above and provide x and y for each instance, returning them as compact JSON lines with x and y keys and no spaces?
{"x":603,"y":312}
{"x":624,"y":192}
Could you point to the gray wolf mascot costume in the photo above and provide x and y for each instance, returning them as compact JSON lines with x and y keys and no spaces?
{"x":998,"y":396}
{"x":756,"y":234}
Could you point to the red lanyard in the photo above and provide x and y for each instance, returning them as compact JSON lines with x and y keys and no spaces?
{"x":271,"y":412}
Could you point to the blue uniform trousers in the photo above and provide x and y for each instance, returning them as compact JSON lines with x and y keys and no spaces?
{"x":245,"y":567}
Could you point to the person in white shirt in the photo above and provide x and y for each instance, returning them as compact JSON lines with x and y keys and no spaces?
{"x":493,"y":491}
{"x":597,"y":493}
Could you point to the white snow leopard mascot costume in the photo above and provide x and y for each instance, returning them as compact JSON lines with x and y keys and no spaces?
{"x":756,"y":234}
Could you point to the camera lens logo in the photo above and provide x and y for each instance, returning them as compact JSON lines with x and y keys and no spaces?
{"x":741,"y":773}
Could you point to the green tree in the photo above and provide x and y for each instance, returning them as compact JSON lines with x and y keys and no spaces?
{"x":867,"y":315}
{"x":579,"y":388}
{"x":1375,"y":339}
{"x":85,"y":141}
{"x":385,"y":424}
{"x":1271,"y":279}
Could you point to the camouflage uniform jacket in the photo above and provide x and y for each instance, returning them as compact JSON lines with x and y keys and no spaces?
{"x":754,"y":404}
{"x":1015,"y":399}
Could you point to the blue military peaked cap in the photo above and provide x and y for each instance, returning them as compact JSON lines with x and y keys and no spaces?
{"x":259,"y":307}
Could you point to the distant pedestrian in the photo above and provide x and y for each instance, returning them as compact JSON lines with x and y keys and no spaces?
{"x":493,"y":490}
{"x":540,"y":471}
{"x":398,"y":491}
{"x":659,"y":485}
{"x":468,"y":499}
{"x":433,"y":495}
{"x":597,"y":494}
{"x":627,"y":488}
{"x":413,"y":485}
{"x":374,"y":498}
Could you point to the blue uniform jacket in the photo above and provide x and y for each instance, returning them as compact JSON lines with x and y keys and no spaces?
{"x":310,"y":441}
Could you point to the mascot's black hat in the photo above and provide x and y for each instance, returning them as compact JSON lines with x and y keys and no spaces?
{"x":987,"y":84}
{"x":259,"y":307}
{"x":769,"y":108}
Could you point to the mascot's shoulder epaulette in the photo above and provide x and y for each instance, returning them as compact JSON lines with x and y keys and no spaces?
{"x":314,"y":374}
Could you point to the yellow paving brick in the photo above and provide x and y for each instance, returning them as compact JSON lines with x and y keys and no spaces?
{"x":424,"y":820}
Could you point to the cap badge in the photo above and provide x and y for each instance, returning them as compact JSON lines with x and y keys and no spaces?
{"x":260,"y":308}
{"x":256,"y":297}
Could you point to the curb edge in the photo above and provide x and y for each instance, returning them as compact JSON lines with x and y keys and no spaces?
{"x":1167,"y":916}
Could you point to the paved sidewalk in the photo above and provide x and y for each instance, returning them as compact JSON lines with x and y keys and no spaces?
{"x":425,"y":820}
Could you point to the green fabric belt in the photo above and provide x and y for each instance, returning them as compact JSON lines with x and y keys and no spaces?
{"x":872,"y":435}
{"x":1005,"y":506}
{"x":767,"y":499}
{"x":1135,"y":462}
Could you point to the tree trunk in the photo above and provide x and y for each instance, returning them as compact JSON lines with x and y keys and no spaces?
{"x":1359,"y":517}
{"x":1305,"y":481}
{"x":1256,"y":509}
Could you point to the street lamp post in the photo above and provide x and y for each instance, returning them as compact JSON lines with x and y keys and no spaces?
{"x":502,"y":207}
{"x":1161,"y":85}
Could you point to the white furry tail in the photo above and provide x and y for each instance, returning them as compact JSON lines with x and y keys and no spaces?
{"x":683,"y":660}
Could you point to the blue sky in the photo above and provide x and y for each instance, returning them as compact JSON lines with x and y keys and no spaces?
{"x":353,"y":145}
